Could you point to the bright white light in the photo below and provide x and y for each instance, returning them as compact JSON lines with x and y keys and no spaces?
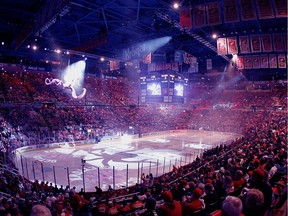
{"x":176,"y":5}
{"x":214,"y":36}
{"x":34,"y":47}
{"x":234,"y":57}
{"x":45,"y":48}
{"x":74,"y":74}
{"x":67,"y":52}
{"x":28,"y":46}
{"x":102,"y":59}
{"x":3,"y":43}
{"x":58,"y":51}
{"x":178,"y":89}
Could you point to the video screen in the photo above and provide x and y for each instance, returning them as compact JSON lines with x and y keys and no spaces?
{"x":153,"y":88}
{"x":178,"y":89}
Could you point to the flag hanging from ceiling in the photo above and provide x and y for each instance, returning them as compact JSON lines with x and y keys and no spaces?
{"x":232,"y":45}
{"x":247,"y":10}
{"x":247,"y":62}
{"x":185,"y":18}
{"x":147,"y":58}
{"x":256,"y":61}
{"x":114,"y":65}
{"x":221,"y":46}
{"x":282,"y":61}
{"x":244,"y":44}
{"x":266,"y":43}
{"x":272,"y":61}
{"x":213,"y":13}
{"x":265,"y":10}
{"x":280,"y":8}
{"x":199,"y":16}
{"x":231,"y":13}
{"x":240,"y":63}
{"x":255,"y":43}
{"x":264,"y":61}
{"x":209,"y":64}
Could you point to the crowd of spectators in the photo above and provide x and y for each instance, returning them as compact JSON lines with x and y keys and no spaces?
{"x":246,"y":177}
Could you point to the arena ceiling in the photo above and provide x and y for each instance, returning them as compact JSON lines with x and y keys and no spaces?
{"x":106,"y":27}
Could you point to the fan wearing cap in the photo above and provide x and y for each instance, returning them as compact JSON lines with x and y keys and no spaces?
{"x":170,"y":207}
{"x":195,"y":204}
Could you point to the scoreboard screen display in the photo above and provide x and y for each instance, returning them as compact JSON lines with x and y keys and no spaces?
{"x":154,"y":88}
{"x":178,"y":89}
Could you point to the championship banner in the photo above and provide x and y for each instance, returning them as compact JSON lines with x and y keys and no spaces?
{"x":247,"y":62}
{"x":255,"y":43}
{"x":247,"y":10}
{"x":232,"y":45}
{"x":272,"y":61}
{"x":280,"y":8}
{"x":209,"y":64}
{"x":168,"y":66}
{"x":266,"y":43}
{"x":221,"y":46}
{"x":178,"y":56}
{"x":185,"y":18}
{"x":189,"y":59}
{"x":240,"y":62}
{"x":199,"y":16}
{"x":265,"y":10}
{"x":114,"y":65}
{"x":213,"y":13}
{"x":278,"y":42}
{"x":264,"y":61}
{"x":282,"y":61}
{"x":230,"y":11}
{"x":147,"y":59}
{"x":244,"y":44}
{"x":256,"y":62}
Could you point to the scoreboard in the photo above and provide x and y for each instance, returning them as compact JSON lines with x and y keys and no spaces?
{"x":163,"y":87}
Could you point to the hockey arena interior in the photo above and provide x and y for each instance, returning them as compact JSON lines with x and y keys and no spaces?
{"x":143,"y":107}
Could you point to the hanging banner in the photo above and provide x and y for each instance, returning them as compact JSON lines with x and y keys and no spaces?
{"x":255,"y":43}
{"x":231,"y":13}
{"x":265,"y":10}
{"x":221,"y":46}
{"x":244,"y":44}
{"x":264,"y":61}
{"x":282,"y":61}
{"x":240,"y":63}
{"x":232,"y":45}
{"x":272,"y":61}
{"x":189,"y":59}
{"x":199,"y":16}
{"x":213,"y":14}
{"x":114,"y":65}
{"x":147,"y":58}
{"x":280,"y":8}
{"x":247,"y":10}
{"x":151,"y":67}
{"x":256,"y":62}
{"x":185,"y":18}
{"x":247,"y":62}
{"x":278,"y":42}
{"x":209,"y":64}
{"x":178,"y":56}
{"x":266,"y":43}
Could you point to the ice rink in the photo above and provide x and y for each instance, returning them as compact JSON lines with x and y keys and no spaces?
{"x":117,"y":163}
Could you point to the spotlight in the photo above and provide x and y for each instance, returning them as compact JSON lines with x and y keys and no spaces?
{"x":57,"y":51}
{"x":176,"y":5}
{"x":3,"y":43}
{"x":102,"y":59}
{"x":214,"y":36}
{"x":34,"y":47}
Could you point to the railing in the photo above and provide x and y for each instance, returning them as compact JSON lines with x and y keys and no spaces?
{"x":82,"y":175}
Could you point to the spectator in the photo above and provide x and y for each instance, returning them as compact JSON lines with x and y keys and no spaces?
{"x":170,"y":207}
{"x":40,"y":210}
{"x":254,"y":202}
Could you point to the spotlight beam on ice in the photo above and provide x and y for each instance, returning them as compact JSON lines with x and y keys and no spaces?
{"x":73,"y":76}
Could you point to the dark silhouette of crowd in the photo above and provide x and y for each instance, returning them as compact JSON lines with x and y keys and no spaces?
{"x":245,"y":177}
